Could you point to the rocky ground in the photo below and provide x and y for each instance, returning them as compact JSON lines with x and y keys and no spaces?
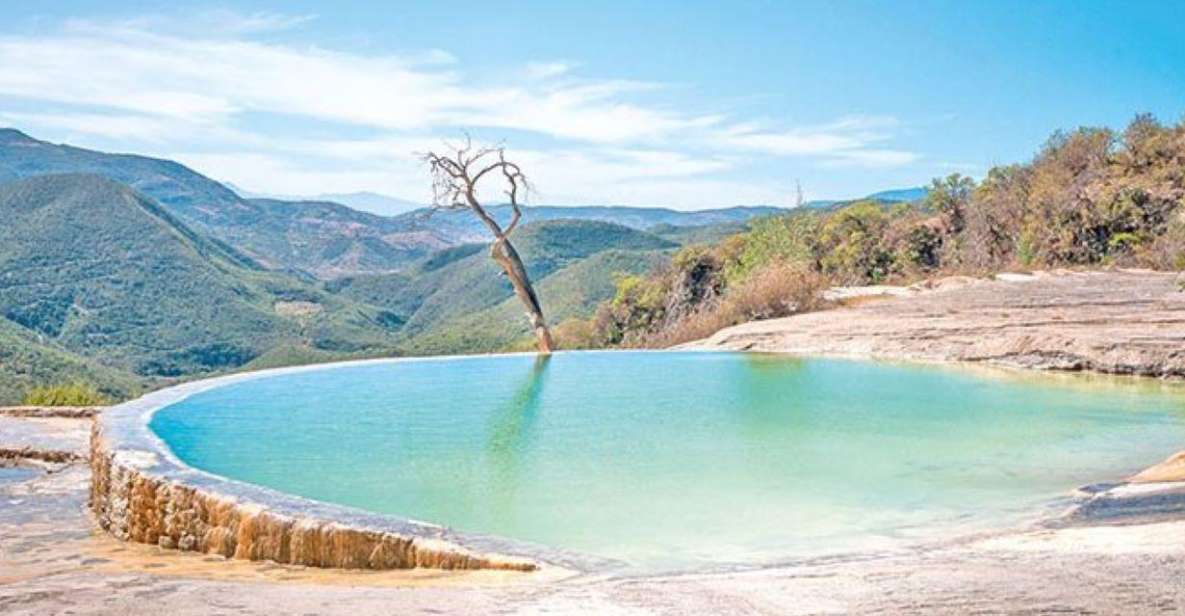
{"x":1115,"y":322}
{"x":52,"y":561}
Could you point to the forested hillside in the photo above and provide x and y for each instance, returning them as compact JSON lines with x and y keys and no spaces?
{"x":100,"y":284}
{"x":1089,"y":198}
{"x":442,"y":298}
{"x":28,"y":360}
{"x":104,"y":272}
{"x":319,"y":238}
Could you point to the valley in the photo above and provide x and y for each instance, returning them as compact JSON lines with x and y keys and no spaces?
{"x":128,"y":273}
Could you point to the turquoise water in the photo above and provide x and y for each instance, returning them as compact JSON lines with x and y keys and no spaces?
{"x":678,"y":460}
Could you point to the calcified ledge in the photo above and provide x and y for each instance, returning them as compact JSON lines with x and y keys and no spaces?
{"x":1116,"y":322}
{"x":140,"y":492}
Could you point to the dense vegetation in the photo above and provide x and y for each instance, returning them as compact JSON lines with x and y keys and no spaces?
{"x":320,"y":239}
{"x":27,"y":360}
{"x":97,"y":269}
{"x":1090,"y":197}
{"x":101,"y":285}
{"x":456,"y":301}
{"x":70,"y":394}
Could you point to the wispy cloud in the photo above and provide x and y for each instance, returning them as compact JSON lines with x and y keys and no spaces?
{"x":851,"y":140}
{"x":159,"y":74}
{"x":208,"y":23}
{"x":547,"y":70}
{"x":179,"y":91}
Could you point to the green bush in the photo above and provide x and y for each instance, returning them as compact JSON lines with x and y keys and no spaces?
{"x":852,"y":247}
{"x":1089,"y":197}
{"x":777,"y":239}
{"x":71,"y":394}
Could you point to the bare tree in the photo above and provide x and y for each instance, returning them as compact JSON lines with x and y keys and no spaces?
{"x":455,"y":177}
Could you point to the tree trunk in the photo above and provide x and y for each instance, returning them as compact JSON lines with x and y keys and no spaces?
{"x":507,"y":257}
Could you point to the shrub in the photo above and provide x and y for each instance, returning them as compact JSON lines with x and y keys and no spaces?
{"x":1167,"y":252}
{"x":1089,"y":197}
{"x":775,"y":291}
{"x":778,"y":290}
{"x":576,"y":334}
{"x":850,"y":244}
{"x":71,"y":394}
{"x":771,"y":240}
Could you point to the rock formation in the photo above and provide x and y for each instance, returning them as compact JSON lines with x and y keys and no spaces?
{"x":134,"y":505}
{"x":1121,"y":322}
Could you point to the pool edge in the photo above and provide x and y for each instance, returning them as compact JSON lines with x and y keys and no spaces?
{"x":140,"y":492}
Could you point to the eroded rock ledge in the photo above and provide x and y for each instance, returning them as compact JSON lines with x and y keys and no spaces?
{"x":64,"y":412}
{"x":138,"y":493}
{"x":1119,"y":322}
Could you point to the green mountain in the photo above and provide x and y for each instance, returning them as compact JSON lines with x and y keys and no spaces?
{"x":571,"y":292}
{"x":131,"y":272}
{"x":442,"y":292}
{"x":102,"y":284}
{"x":26,"y":360}
{"x":460,"y":226}
{"x":190,"y":195}
{"x":330,"y":240}
{"x":104,"y":272}
{"x":320,"y":238}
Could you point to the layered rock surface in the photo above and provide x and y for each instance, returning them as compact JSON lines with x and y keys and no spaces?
{"x":134,"y":503}
{"x":1121,"y":322}
{"x":39,"y":437}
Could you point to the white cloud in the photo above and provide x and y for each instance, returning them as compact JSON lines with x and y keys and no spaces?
{"x":159,"y":74}
{"x":271,"y":174}
{"x":121,"y":126}
{"x":871,"y":157}
{"x":390,"y":166}
{"x":176,"y":91}
{"x":851,"y":140}
{"x":207,"y":23}
{"x":547,"y":70}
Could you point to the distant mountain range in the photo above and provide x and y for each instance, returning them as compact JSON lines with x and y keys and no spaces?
{"x":127,"y":271}
{"x":900,"y":195}
{"x":374,"y":203}
{"x":321,"y":238}
{"x":363,"y":201}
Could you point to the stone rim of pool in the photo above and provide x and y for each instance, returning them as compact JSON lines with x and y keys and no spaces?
{"x":142,"y":492}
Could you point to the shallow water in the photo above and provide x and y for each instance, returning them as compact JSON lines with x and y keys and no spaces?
{"x":680,"y":460}
{"x":16,"y":474}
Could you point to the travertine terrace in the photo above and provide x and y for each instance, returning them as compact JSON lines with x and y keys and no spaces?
{"x":1121,"y":322}
{"x":140,"y":493}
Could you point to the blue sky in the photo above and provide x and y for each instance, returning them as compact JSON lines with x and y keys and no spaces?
{"x":684,"y":104}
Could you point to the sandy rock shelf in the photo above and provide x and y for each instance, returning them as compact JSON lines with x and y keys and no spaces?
{"x":1122,"y":322}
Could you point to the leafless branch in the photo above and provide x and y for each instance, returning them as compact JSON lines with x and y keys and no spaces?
{"x":455,"y":179}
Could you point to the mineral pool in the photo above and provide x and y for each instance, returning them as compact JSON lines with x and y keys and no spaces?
{"x":680,"y":460}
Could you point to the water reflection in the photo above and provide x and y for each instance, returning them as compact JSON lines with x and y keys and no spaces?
{"x":771,"y":391}
{"x":511,"y":427}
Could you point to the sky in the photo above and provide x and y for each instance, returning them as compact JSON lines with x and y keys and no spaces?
{"x":681,"y":104}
